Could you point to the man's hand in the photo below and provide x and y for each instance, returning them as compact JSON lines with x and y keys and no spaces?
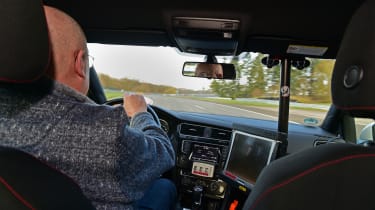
{"x":134,"y":103}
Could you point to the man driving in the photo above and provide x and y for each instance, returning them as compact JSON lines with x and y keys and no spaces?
{"x":114,"y":160}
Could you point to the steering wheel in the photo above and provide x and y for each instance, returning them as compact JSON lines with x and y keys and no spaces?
{"x":150,"y":110}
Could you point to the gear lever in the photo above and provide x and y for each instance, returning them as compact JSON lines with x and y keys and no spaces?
{"x":197,"y":197}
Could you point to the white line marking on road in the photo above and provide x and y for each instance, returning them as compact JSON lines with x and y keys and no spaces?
{"x":261,"y":114}
{"x":199,"y":107}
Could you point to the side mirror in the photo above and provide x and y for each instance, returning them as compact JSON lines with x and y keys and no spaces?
{"x":367,"y":134}
{"x":209,"y":70}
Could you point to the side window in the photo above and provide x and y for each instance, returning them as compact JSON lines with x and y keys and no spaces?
{"x":364,"y":129}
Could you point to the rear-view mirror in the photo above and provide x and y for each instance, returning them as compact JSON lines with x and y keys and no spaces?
{"x":209,"y":70}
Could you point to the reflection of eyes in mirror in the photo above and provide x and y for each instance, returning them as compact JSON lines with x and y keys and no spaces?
{"x":209,"y":70}
{"x":214,"y":71}
{"x":202,"y":74}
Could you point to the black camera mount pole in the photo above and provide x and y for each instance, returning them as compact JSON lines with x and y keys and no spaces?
{"x":284,"y":98}
{"x":284,"y":95}
{"x":284,"y":101}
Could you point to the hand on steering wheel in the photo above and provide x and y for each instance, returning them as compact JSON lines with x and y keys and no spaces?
{"x":150,"y":110}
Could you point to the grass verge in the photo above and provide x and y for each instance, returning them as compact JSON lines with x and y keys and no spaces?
{"x":253,"y":104}
{"x":113,"y":94}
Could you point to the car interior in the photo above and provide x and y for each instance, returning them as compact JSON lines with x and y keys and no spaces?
{"x":222,"y":162}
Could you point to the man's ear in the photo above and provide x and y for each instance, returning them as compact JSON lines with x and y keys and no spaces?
{"x":80,"y":63}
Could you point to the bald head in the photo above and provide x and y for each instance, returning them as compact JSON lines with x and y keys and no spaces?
{"x":69,"y":64}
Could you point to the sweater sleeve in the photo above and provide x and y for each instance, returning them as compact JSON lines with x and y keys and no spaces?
{"x":146,"y":153}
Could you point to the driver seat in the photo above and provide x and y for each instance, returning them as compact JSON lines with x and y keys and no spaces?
{"x":26,"y":182}
{"x":332,"y":176}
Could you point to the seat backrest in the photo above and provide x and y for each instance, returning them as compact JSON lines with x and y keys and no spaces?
{"x":25,"y":182}
{"x":28,"y":183}
{"x":332,"y":176}
{"x":329,"y":177}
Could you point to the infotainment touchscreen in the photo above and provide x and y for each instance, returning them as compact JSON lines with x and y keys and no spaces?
{"x":250,"y":151}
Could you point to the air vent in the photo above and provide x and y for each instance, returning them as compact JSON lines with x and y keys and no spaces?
{"x":324,"y":140}
{"x":205,"y":132}
{"x":221,"y":134}
{"x":319,"y":142}
{"x":192,"y":130}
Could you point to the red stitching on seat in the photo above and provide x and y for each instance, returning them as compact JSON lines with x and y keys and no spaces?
{"x":18,"y":196}
{"x":304,"y":173}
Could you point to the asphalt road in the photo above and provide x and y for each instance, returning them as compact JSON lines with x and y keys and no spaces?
{"x":266,"y":113}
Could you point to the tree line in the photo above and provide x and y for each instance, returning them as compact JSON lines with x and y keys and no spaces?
{"x":134,"y":85}
{"x":255,"y":80}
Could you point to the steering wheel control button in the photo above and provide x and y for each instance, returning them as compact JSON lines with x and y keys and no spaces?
{"x":203,"y":169}
{"x":353,"y":76}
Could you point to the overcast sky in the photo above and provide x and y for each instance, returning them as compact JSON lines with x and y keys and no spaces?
{"x":157,"y":65}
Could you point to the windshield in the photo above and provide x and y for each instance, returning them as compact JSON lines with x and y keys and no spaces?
{"x":156,"y":72}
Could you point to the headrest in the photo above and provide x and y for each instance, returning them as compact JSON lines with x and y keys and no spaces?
{"x":24,"y":44}
{"x":353,"y":79}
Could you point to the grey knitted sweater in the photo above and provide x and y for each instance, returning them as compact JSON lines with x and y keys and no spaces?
{"x":113,"y":160}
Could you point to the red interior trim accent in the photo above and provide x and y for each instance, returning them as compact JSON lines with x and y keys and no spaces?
{"x":230,"y":175}
{"x":306,"y":172}
{"x":18,"y":196}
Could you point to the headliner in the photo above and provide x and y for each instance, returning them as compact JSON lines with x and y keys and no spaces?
{"x":267,"y":26}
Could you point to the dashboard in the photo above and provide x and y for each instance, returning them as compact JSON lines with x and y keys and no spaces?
{"x":202,"y":143}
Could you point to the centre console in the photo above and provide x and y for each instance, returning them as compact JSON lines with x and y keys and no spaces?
{"x":202,"y":153}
